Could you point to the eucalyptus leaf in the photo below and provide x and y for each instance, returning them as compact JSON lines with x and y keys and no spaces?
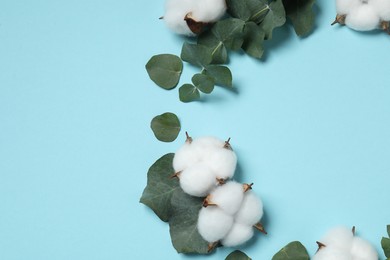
{"x":218,"y":50}
{"x":160,"y":187}
{"x":203,"y":82}
{"x":301,"y":14}
{"x":254,"y":38}
{"x":248,"y":10}
{"x":386,"y":246}
{"x":237,"y":255}
{"x":196,"y":54}
{"x":166,"y":127}
{"x":165,"y":70}
{"x":183,"y":224}
{"x":388,"y":230}
{"x":276,"y":17}
{"x":188,"y":93}
{"x":293,"y":251}
{"x":221,"y":75}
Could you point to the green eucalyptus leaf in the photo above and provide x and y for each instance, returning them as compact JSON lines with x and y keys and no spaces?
{"x":293,"y":251}
{"x":388,"y":230}
{"x":276,"y":17}
{"x":386,"y":246}
{"x":260,"y":9}
{"x":165,"y":70}
{"x":301,"y":14}
{"x":221,"y":75}
{"x":188,"y":93}
{"x":183,"y":224}
{"x":166,"y":127}
{"x":160,"y":187}
{"x":203,"y":82}
{"x":254,"y":38}
{"x":237,"y":255}
{"x":218,"y":50}
{"x":248,"y":10}
{"x":196,"y":54}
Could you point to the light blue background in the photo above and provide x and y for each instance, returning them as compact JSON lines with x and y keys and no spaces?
{"x":310,"y":124}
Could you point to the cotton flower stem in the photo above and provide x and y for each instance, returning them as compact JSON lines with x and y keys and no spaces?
{"x":227,"y":145}
{"x":221,"y":181}
{"x":260,"y":228}
{"x":212,"y":246}
{"x":175,"y":175}
{"x":340,"y":19}
{"x":247,"y":187}
{"x":188,"y":138}
{"x":354,"y":230}
{"x":161,"y":18}
{"x":207,"y":202}
{"x":320,"y":245}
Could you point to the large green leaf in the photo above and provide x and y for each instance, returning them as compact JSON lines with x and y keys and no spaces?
{"x":196,"y":54}
{"x":237,"y":255}
{"x":160,"y":187}
{"x":183,"y":224}
{"x":254,"y":38}
{"x":276,"y":17}
{"x":166,"y":127}
{"x":293,"y":251}
{"x":165,"y":70}
{"x":248,"y":10}
{"x":203,"y":82}
{"x":218,"y":50}
{"x":188,"y":93}
{"x":301,"y":14}
{"x":221,"y":75}
{"x":386,"y":246}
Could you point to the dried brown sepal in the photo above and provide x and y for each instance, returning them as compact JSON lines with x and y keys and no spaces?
{"x":212,"y":246}
{"x":385,"y":26}
{"x":354,"y":230}
{"x":260,"y":228}
{"x":175,"y":175}
{"x":188,"y":138}
{"x":247,"y":187}
{"x":227,"y":145}
{"x":340,"y":19}
{"x":207,"y":202}
{"x":221,"y":181}
{"x":320,"y":245}
{"x":195,"y":26}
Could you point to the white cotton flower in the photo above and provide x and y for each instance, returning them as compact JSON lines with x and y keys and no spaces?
{"x":339,"y":237}
{"x":331,"y":253}
{"x":363,"y":18}
{"x":382,"y":7}
{"x":185,"y":157}
{"x":346,"y":6}
{"x":205,"y":142}
{"x":213,"y":224}
{"x":175,"y":12}
{"x":238,"y":234}
{"x":363,"y":250}
{"x":251,"y":210}
{"x":197,"y":180}
{"x":209,"y":10}
{"x":222,"y":162}
{"x":228,"y":197}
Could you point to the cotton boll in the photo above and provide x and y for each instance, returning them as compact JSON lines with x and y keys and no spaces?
{"x":239,"y":234}
{"x":197,"y":180}
{"x":228,"y":197}
{"x":251,"y":210}
{"x":209,"y":10}
{"x":222,"y":162}
{"x":363,"y":250}
{"x":346,"y":6}
{"x":214,"y":224}
{"x":185,"y":157}
{"x":207,"y":142}
{"x":330,"y":253}
{"x":382,"y":7}
{"x":175,"y":12}
{"x":339,"y":237}
{"x":363,"y":18}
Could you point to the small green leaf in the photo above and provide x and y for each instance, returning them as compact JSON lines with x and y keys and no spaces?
{"x":165,"y":70}
{"x":203,"y":82}
{"x":183,"y":224}
{"x":388,"y":230}
{"x":166,"y":127}
{"x":248,"y":10}
{"x":218,"y":50}
{"x":221,"y":74}
{"x":188,"y":93}
{"x":237,"y":255}
{"x":275,"y":17}
{"x":386,"y":246}
{"x":293,"y":251}
{"x":254,"y":38}
{"x":160,"y":187}
{"x":301,"y":14}
{"x":196,"y":54}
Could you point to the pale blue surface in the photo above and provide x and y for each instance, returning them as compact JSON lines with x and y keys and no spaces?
{"x":311,"y":126}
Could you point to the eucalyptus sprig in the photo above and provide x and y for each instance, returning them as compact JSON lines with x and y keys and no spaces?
{"x":249,"y":23}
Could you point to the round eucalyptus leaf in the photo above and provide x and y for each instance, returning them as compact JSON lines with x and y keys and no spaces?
{"x":237,"y":255}
{"x":203,"y":82}
{"x":166,"y":127}
{"x":165,"y":70}
{"x":188,"y":93}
